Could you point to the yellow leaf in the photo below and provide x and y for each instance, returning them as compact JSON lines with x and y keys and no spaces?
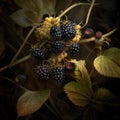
{"x":31,"y":101}
{"x":78,"y":93}
{"x":108,"y":64}
{"x":113,"y":54}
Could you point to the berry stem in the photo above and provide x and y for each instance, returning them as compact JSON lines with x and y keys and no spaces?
{"x":21,"y":47}
{"x":6,"y":78}
{"x":71,"y":7}
{"x":93,"y":38}
{"x":109,"y":33}
{"x":15,"y":63}
{"x":87,"y":40}
{"x":89,"y":12}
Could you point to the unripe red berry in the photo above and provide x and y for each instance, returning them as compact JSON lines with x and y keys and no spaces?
{"x":98,"y":34}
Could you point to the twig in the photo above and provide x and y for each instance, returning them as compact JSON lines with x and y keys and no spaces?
{"x":87,"y":40}
{"x":89,"y":12}
{"x":21,"y":47}
{"x":15,"y":63}
{"x":6,"y":78}
{"x":71,"y":7}
{"x":109,"y":33}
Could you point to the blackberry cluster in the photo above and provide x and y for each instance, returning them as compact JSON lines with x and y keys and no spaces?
{"x":68,"y":30}
{"x":55,"y":32}
{"x":58,"y":74}
{"x":57,"y":46}
{"x":74,"y":49}
{"x":37,"y":53}
{"x":43,"y":72}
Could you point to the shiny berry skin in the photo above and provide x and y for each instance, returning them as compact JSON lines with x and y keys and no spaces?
{"x":55,"y":32}
{"x":43,"y":72}
{"x":68,"y":30}
{"x":37,"y":53}
{"x":89,"y":32}
{"x":98,"y":34}
{"x":58,"y":74}
{"x":74,"y":49}
{"x":57,"y":46}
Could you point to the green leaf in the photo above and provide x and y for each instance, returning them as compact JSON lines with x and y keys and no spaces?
{"x":113,"y":54}
{"x":108,"y":64}
{"x":102,"y":94}
{"x":81,"y":73}
{"x":78,"y":93}
{"x":31,"y":101}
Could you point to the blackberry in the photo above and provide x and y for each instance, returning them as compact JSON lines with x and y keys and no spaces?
{"x":55,"y":32}
{"x":43,"y":72}
{"x":58,"y":74}
{"x":37,"y":53}
{"x":68,"y":30}
{"x":57,"y":46}
{"x":74,"y":49}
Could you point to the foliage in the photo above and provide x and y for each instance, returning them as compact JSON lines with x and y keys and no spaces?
{"x":61,"y":62}
{"x":31,"y":101}
{"x":108,"y":63}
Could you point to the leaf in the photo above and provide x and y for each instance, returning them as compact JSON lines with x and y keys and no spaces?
{"x":113,"y":54}
{"x":32,"y":11}
{"x":108,"y":64}
{"x":20,"y":18}
{"x":78,"y":93}
{"x":102,"y":94}
{"x":31,"y":101}
{"x":82,"y":74}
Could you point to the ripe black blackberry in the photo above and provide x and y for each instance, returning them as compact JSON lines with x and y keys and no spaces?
{"x":74,"y":49}
{"x":57,"y":46}
{"x":38,"y":53}
{"x":55,"y":32}
{"x":58,"y":74}
{"x":68,"y":30}
{"x":43,"y":72}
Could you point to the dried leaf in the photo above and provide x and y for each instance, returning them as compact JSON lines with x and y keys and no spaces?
{"x":20,"y":18}
{"x":31,"y":101}
{"x":108,"y":64}
{"x":32,"y":11}
{"x":78,"y":93}
{"x":102,"y":94}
